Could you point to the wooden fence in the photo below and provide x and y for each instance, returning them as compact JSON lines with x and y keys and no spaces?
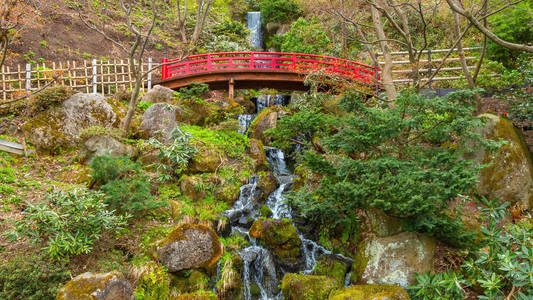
{"x":96,"y":76}
{"x":429,"y":62}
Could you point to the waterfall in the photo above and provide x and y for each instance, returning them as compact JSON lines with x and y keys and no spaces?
{"x":253,"y":20}
{"x":260,"y":267}
{"x":261,"y":102}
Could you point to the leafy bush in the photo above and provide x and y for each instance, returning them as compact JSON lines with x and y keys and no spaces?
{"x":306,"y":37}
{"x":402,"y":160}
{"x":31,"y":277}
{"x":154,"y":284}
{"x":51,"y":96}
{"x":126,"y":188}
{"x":279,"y":11}
{"x":174,"y":157}
{"x":500,"y":269}
{"x":69,"y":223}
{"x":194,"y":91}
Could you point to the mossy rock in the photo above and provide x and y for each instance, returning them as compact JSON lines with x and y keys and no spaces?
{"x":203,"y":295}
{"x":307,"y":287}
{"x":257,"y":154}
{"x":207,"y":160}
{"x":370,"y":292}
{"x":267,"y":184}
{"x":280,"y":237}
{"x":509,"y":177}
{"x":76,"y":174}
{"x":332,"y":268}
{"x":265,"y":120}
{"x":189,"y":246}
{"x":89,"y":286}
{"x":190,"y":281}
{"x":199,"y":112}
{"x":192,"y":187}
{"x":265,"y":211}
{"x":383,"y":225}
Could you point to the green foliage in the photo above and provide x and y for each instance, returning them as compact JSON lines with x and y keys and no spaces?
{"x":505,"y":262}
{"x":279,"y":11}
{"x":194,"y":91}
{"x":520,"y":107}
{"x":231,"y":143}
{"x":306,"y":37}
{"x":175,"y":156}
{"x":126,"y":188}
{"x":31,"y":277}
{"x":69,"y":223}
{"x":144,"y":105}
{"x":51,"y":96}
{"x":403,"y":160}
{"x":154,"y":284}
{"x":513,"y":25}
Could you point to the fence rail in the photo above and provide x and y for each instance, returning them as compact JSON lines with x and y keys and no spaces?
{"x":95,"y":76}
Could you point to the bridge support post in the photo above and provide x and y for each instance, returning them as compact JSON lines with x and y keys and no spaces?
{"x":231,"y":88}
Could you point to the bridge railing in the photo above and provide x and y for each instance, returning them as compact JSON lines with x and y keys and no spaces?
{"x":273,"y":61}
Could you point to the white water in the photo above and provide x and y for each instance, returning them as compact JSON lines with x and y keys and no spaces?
{"x":253,"y":22}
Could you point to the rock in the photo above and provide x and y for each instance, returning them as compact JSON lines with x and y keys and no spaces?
{"x":207,"y":160}
{"x":383,"y":225}
{"x":188,"y":187}
{"x":257,"y":154}
{"x":370,"y":292}
{"x":265,"y":211}
{"x":394,"y":259}
{"x":190,"y":281}
{"x":332,"y":268}
{"x":249,"y":106}
{"x":307,"y":287}
{"x":199,"y":112}
{"x":189,"y":246}
{"x":106,"y":144}
{"x":265,"y":120}
{"x":203,"y":295}
{"x":510,"y":175}
{"x":266,"y":185}
{"x":108,"y":286}
{"x":158,"y":94}
{"x":280,"y":237}
{"x":59,"y":127}
{"x":159,"y":120}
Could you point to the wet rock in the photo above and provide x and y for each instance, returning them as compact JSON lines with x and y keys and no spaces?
{"x":383,"y":225}
{"x":265,"y":211}
{"x":280,"y":237}
{"x":108,"y":286}
{"x":332,"y":268}
{"x":249,"y":106}
{"x":266,"y":185}
{"x":370,"y":292}
{"x":158,"y":94}
{"x":265,"y":120}
{"x":510,"y":175}
{"x":394,"y":259}
{"x":189,"y":246}
{"x":159,"y":120}
{"x":257,"y":154}
{"x":105,"y":144}
{"x":248,"y":255}
{"x":59,"y":126}
{"x":307,"y":287}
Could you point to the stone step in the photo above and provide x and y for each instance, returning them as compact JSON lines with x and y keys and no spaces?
{"x":11,"y":147}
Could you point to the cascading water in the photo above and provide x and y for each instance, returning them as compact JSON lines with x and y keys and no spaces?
{"x":260,"y":268}
{"x":253,"y":22}
{"x":261,"y":102}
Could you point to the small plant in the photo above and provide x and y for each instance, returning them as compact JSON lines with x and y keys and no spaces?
{"x":51,"y":96}
{"x":69,"y":223}
{"x":43,"y":44}
{"x":144,"y":105}
{"x":154,"y":284}
{"x":175,"y":156}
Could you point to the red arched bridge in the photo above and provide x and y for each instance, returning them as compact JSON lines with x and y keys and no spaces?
{"x":247,"y":70}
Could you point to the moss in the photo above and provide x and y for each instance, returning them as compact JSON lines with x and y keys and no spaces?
{"x":306,"y":287}
{"x":265,"y":211}
{"x":82,"y":286}
{"x":200,"y":295}
{"x":332,"y":268}
{"x":50,"y":123}
{"x":190,"y":281}
{"x":359,"y":263}
{"x":370,"y":292}
{"x":279,"y":236}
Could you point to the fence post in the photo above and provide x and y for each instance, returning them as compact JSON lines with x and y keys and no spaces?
{"x":149,"y":73}
{"x":94,"y":76}
{"x":28,"y":78}
{"x":429,"y":68}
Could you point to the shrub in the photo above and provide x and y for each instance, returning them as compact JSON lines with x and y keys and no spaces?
{"x":125,"y":187}
{"x":279,"y":11}
{"x":69,"y":223}
{"x":306,"y":37}
{"x":403,"y":160}
{"x":174,"y":157}
{"x":194,"y":91}
{"x":51,"y":96}
{"x":31,"y":277}
{"x":154,"y":284}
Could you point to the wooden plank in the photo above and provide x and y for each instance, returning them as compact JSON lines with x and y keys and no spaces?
{"x":11,"y":147}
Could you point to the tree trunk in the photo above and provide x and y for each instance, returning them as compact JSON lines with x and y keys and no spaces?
{"x":386,"y":72}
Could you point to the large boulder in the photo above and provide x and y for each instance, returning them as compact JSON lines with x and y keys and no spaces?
{"x":108,"y":286}
{"x":281,"y":238}
{"x":265,"y":120}
{"x":158,"y":94}
{"x":331,"y":267}
{"x":189,"y":246}
{"x":60,"y":126}
{"x":370,"y":292}
{"x":394,"y":259}
{"x":159,"y":120}
{"x":509,"y":177}
{"x":307,"y":287}
{"x":257,"y":154}
{"x":267,"y":184}
{"x":206,"y":160}
{"x":105,"y":144}
{"x":382,"y":224}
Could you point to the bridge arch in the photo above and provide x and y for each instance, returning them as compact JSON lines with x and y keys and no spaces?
{"x":247,"y":70}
